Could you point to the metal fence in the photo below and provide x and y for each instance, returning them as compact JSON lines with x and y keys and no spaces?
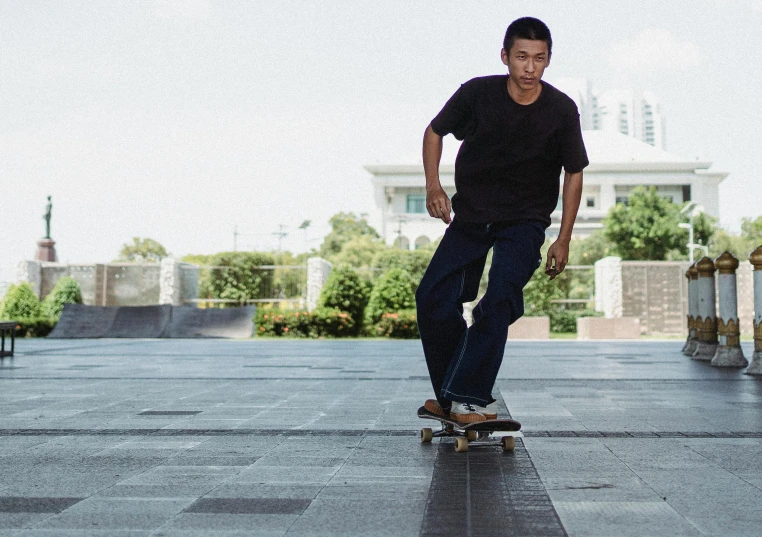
{"x":277,"y":285}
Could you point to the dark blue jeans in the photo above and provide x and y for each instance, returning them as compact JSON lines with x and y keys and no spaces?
{"x":463,"y":361}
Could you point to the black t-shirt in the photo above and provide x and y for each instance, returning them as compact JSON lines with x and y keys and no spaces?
{"x":509,"y":165}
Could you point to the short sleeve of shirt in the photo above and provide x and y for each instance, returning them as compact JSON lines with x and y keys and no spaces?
{"x":573,"y":153}
{"x":456,"y":117}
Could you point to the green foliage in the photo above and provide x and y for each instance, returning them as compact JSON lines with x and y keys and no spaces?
{"x":359,"y":251}
{"x":323,"y":322}
{"x":66,"y":291}
{"x":400,"y":324}
{"x":142,"y":250}
{"x":393,"y":291}
{"x":592,"y":248}
{"x":346,"y":291}
{"x":20,"y":303}
{"x":344,"y":226}
{"x":539,"y":292}
{"x":751,"y":230}
{"x":37,"y":327}
{"x":704,"y":228}
{"x":240,"y":279}
{"x":737,"y":245}
{"x":414,"y":262}
{"x":646,"y":228}
{"x":563,"y":320}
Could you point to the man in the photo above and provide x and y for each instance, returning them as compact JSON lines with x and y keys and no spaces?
{"x":518,"y":133}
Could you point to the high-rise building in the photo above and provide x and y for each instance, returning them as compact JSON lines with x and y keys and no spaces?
{"x":633,"y":113}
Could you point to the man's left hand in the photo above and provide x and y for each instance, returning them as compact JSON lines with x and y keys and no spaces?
{"x":558,"y":256}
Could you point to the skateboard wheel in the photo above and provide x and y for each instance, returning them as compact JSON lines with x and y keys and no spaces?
{"x":472,"y":435}
{"x":461,"y":444}
{"x":426,"y":435}
{"x":509,"y":443}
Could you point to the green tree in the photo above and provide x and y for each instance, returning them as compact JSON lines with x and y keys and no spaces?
{"x":592,"y":248}
{"x":646,"y":228}
{"x":704,"y":228}
{"x":142,"y":250}
{"x":392,"y":292}
{"x":20,"y":303}
{"x":344,"y":226}
{"x":236,"y":275}
{"x":65,"y":291}
{"x":360,"y":251}
{"x":751,"y":230}
{"x":414,"y":262}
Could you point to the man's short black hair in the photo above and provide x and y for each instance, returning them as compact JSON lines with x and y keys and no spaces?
{"x":527,"y":28}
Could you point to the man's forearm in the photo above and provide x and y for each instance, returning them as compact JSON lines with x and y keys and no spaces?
{"x":572,"y":194}
{"x":432,"y":154}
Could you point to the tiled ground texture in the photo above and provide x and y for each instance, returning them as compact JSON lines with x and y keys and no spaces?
{"x":186,"y":438}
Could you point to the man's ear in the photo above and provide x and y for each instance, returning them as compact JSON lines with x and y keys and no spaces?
{"x":504,"y":56}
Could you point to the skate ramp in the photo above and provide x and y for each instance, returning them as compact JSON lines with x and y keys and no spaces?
{"x":190,"y":322}
{"x":165,"y":321}
{"x":80,"y":321}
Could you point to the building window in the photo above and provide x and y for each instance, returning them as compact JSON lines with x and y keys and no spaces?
{"x":421,"y":241}
{"x":416,"y":203}
{"x":622,"y":200}
{"x":590,"y":202}
{"x":402,"y":243}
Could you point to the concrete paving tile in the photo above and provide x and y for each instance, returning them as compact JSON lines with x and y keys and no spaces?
{"x":265,"y":525}
{"x":365,"y":517}
{"x":623,"y":519}
{"x":80,"y":532}
{"x":21,"y":520}
{"x":575,"y":489}
{"x":256,"y":490}
{"x":119,"y":514}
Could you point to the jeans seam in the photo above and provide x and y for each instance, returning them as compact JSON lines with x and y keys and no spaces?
{"x":462,"y":282}
{"x":457,"y":365}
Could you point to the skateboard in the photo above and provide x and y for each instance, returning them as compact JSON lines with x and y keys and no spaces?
{"x":482,"y":433}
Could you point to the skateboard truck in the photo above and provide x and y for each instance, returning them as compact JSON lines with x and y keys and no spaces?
{"x":482,"y":433}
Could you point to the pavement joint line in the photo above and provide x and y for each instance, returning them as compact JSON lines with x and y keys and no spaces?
{"x":633,"y":435}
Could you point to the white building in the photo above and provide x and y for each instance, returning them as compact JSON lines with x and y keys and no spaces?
{"x":632,"y":113}
{"x":618,"y":163}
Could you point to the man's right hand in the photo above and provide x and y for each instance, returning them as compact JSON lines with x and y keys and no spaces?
{"x":438,"y":204}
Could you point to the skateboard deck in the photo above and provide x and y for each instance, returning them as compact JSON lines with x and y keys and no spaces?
{"x":490,"y":432}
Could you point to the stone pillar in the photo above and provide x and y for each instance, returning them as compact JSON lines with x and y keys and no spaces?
{"x":608,"y":286}
{"x":729,"y":353}
{"x":692,"y":311}
{"x":318,"y":270}
{"x":706,"y":322}
{"x":756,"y":361}
{"x":31,"y":272}
{"x":170,"y":282}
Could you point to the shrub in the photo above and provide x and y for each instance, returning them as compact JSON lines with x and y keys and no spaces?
{"x":346,"y":291}
{"x":412,"y":261}
{"x":39,"y":327}
{"x":562,"y":320}
{"x":240,"y":279}
{"x":401,"y":324}
{"x":66,"y":291}
{"x":20,"y":303}
{"x":323,"y":322}
{"x":393,"y":291}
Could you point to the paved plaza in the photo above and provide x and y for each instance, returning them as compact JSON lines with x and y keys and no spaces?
{"x":320,"y":438}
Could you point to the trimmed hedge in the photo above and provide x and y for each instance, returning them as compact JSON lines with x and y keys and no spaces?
{"x":20,"y":303}
{"x":393,"y":291}
{"x":39,"y":327}
{"x":66,"y":291}
{"x":401,"y":324}
{"x":346,"y":291}
{"x":323,"y":322}
{"x":566,"y":320}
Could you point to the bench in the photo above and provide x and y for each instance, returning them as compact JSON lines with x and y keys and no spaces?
{"x":10,"y":327}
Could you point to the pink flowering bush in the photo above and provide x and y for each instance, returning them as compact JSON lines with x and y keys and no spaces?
{"x":401,"y":324}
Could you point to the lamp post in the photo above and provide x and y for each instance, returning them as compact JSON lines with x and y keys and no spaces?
{"x":691,"y":209}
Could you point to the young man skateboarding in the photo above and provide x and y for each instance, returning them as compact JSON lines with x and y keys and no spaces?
{"x":518,"y":133}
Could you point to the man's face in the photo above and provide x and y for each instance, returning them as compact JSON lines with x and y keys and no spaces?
{"x":526,"y":62}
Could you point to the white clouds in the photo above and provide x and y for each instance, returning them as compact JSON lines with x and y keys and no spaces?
{"x":654,"y":49}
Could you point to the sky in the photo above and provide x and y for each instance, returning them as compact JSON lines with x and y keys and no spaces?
{"x":185,"y":120}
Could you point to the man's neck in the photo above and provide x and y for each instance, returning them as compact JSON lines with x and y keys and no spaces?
{"x":522,"y":96}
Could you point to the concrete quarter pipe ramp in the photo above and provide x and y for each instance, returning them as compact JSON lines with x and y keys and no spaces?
{"x":165,"y":321}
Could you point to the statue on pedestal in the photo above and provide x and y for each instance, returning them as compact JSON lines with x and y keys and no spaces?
{"x":46,"y":250}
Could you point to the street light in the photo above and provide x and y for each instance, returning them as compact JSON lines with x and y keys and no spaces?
{"x":691,"y":209}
